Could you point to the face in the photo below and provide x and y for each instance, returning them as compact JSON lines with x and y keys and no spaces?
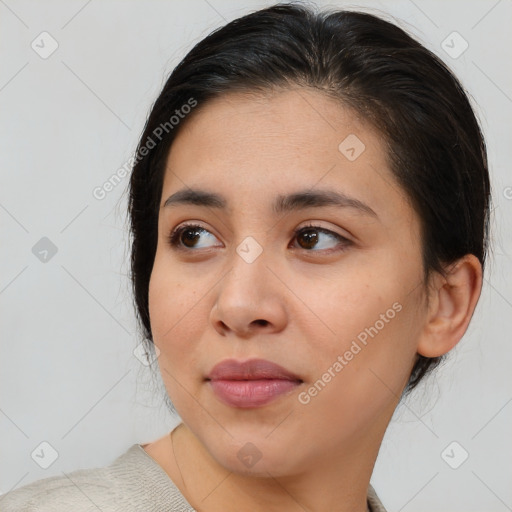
{"x":330,"y":290}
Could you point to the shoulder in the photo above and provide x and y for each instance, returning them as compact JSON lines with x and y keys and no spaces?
{"x":374,"y":503}
{"x":133,"y":482}
{"x":78,"y":491}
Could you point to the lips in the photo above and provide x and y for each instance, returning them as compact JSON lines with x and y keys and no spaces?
{"x":253,"y":369}
{"x":251,"y":383}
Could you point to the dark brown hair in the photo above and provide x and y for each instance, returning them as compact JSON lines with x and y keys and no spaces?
{"x":435,"y":146}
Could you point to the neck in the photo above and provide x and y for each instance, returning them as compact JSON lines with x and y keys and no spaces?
{"x":336,"y":483}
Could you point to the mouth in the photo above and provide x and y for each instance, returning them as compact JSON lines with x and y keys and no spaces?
{"x":251,"y":383}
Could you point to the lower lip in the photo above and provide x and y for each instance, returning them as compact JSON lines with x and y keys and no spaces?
{"x":251,"y":393}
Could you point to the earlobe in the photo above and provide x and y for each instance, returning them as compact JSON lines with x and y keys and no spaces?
{"x":452,"y":302}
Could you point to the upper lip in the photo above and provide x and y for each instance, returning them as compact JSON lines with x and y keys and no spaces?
{"x":253,"y":369}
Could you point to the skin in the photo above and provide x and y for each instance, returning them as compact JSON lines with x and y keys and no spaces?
{"x":206,"y":303}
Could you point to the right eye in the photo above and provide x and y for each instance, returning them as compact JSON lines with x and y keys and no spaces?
{"x":186,"y":236}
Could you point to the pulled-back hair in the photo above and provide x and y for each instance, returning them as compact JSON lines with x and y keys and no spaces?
{"x":434,"y":144}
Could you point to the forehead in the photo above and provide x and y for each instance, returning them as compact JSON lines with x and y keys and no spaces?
{"x":282,"y":118}
{"x":252,"y":146}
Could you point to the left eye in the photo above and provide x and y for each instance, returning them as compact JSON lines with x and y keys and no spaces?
{"x":186,"y":238}
{"x":312,"y":237}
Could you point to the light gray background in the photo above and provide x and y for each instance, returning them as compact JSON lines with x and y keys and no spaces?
{"x":68,"y":122}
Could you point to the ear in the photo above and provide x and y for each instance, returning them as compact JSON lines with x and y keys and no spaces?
{"x":452,"y":301}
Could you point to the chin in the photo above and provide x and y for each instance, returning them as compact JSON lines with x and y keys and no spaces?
{"x":256,"y":458}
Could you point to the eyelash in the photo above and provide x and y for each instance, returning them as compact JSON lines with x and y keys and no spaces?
{"x":175,"y":243}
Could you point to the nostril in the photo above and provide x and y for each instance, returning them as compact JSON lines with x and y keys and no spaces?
{"x":260,"y":322}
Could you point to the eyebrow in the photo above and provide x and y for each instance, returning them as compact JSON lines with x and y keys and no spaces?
{"x":282,"y":204}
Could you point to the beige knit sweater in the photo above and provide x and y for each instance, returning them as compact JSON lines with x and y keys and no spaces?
{"x":134,"y":482}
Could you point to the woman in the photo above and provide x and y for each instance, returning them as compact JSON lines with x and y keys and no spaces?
{"x":309,"y":210}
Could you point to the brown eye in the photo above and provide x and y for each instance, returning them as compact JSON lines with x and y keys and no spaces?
{"x":309,"y":237}
{"x":187,"y":236}
{"x":316,"y":239}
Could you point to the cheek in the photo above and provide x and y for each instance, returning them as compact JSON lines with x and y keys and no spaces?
{"x":350,"y":305}
{"x":362,"y":388}
{"x":372,"y":340}
{"x":173,"y":312}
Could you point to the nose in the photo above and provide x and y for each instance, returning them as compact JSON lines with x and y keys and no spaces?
{"x":250,"y":300}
